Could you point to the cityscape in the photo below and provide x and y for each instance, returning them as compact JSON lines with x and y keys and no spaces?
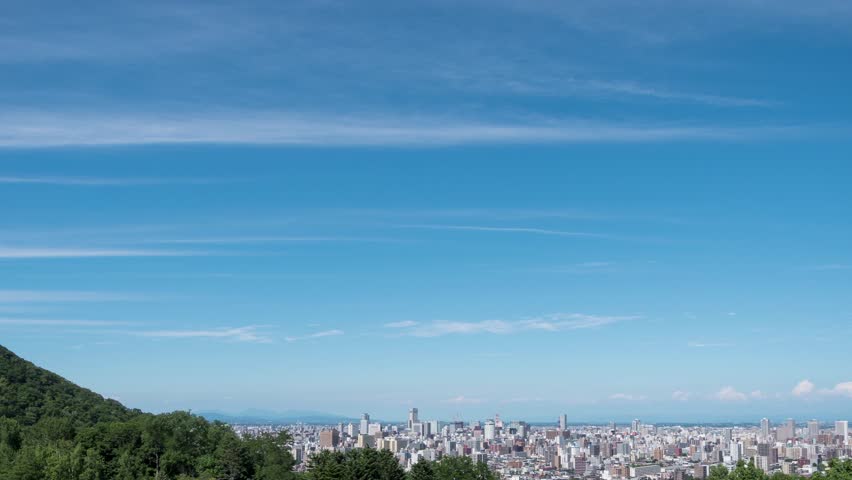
{"x":522,"y":451}
{"x":425,"y":240}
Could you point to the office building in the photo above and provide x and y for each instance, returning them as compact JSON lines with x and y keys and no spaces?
{"x":412,"y":418}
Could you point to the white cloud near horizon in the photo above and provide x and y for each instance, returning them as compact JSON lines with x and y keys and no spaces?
{"x":839,"y":389}
{"x":463,"y":400}
{"x":730,"y":394}
{"x":803,"y":388}
{"x":550,"y":323}
{"x":627,"y":396}
{"x":680,"y":395}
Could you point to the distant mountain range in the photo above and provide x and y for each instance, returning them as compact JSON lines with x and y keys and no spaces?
{"x":254,"y":416}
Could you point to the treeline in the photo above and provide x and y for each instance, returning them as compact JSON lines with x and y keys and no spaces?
{"x":837,"y":470}
{"x":369,"y":464}
{"x":180,"y":446}
{"x":52,"y":429}
{"x":175,"y":446}
{"x":29,"y":393}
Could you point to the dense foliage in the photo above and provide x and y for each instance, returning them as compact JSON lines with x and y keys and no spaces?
{"x":363,"y":463}
{"x":837,"y":470}
{"x":369,"y":464}
{"x":29,"y":393}
{"x":51,"y":429}
{"x":452,"y":468}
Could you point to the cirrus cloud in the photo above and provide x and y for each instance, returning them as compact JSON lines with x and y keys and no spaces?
{"x":554,"y":322}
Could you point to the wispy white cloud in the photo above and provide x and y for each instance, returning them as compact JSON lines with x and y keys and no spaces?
{"x":803,"y":388}
{"x":41,"y":322}
{"x":262,"y":239}
{"x":635,"y":89}
{"x":99,"y":181}
{"x":54,"y":129}
{"x":240,"y":334}
{"x":709,"y":345}
{"x":402,"y":324}
{"x":463,"y":400}
{"x":63,"y":296}
{"x":627,"y":396}
{"x":551,"y":323}
{"x":324,"y":333}
{"x":11,"y":253}
{"x":480,"y":228}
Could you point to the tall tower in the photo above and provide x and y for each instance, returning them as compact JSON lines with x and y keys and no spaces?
{"x":489,"y":430}
{"x":764,"y":428}
{"x":841,"y":429}
{"x":365,"y":423}
{"x":813,"y":429}
{"x":412,"y":418}
{"x":635,"y":425}
{"x":563,"y":422}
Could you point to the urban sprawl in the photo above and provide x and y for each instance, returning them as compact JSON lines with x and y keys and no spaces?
{"x":520,"y":451}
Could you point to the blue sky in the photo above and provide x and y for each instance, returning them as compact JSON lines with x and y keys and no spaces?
{"x":610,"y":210}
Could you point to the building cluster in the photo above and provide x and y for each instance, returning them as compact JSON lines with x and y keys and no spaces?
{"x":520,"y":451}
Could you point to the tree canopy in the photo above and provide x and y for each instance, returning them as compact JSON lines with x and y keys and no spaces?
{"x":51,"y":429}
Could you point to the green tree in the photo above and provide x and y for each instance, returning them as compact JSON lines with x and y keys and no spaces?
{"x":718,"y":472}
{"x":327,"y":465}
{"x":462,"y":468}
{"x":422,"y":470}
{"x":271,"y":456}
{"x":747,"y":471}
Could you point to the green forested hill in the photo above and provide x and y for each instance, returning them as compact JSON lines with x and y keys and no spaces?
{"x":52,"y":429}
{"x":29,"y":393}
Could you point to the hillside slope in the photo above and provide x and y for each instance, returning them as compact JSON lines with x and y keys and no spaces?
{"x":29,"y":393}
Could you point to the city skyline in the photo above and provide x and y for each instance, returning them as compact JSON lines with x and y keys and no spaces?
{"x":636,"y":450}
{"x":614,"y":211}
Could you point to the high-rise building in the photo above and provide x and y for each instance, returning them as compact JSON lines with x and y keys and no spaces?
{"x":737,"y":452}
{"x":489,"y":430}
{"x":786,"y":431}
{"x":412,"y":418}
{"x":841,"y":429}
{"x":434,"y":427}
{"x":365,"y":424}
{"x":563,"y":422}
{"x":764,"y":428}
{"x":365,"y":441}
{"x":813,"y":429}
{"x":329,"y":438}
{"x":635,"y":425}
{"x":351,"y":429}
